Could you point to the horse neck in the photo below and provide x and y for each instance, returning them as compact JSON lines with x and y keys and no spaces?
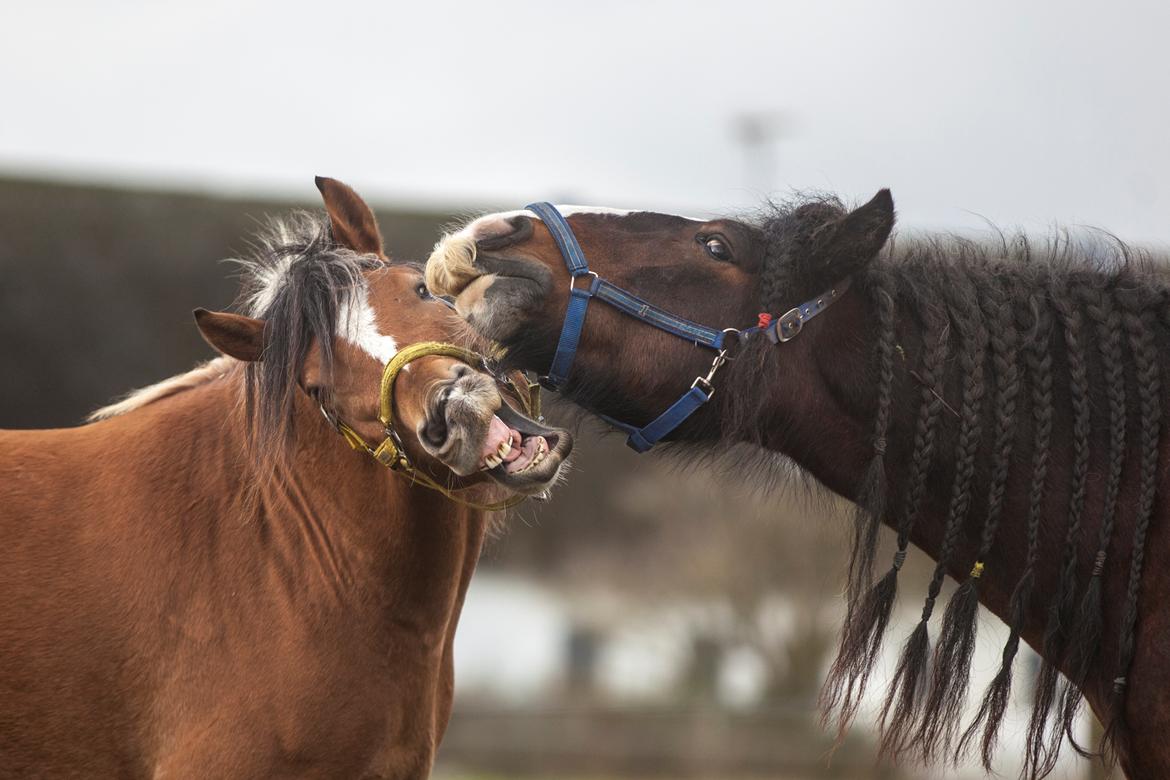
{"x":820,"y":411}
{"x":333,"y":525}
{"x":830,"y":431}
{"x":805,"y":399}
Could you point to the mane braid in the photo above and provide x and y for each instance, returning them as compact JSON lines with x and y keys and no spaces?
{"x":852,"y":657}
{"x":951,"y":673}
{"x":1140,"y":327}
{"x":903,"y":710}
{"x":1039,"y":760}
{"x":872,"y":494}
{"x":1086,"y":637}
{"x":862,"y":640}
{"x":1038,"y":361}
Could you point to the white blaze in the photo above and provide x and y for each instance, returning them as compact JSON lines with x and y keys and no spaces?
{"x":357,"y":324}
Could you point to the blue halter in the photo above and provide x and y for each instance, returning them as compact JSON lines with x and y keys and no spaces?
{"x":783,"y":328}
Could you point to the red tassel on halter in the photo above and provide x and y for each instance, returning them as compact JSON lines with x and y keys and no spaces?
{"x":765,"y":320}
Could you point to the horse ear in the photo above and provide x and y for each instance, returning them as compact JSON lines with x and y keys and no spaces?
{"x":352,"y":221}
{"x":232,"y":334}
{"x":847,"y":245}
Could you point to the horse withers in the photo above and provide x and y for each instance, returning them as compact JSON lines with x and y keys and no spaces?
{"x":208,"y":582}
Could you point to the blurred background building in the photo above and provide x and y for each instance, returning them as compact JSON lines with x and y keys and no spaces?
{"x":655,"y":619}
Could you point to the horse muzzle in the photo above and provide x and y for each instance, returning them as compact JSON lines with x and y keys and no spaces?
{"x":471,"y":428}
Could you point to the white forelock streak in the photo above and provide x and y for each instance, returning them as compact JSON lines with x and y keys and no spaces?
{"x":356,"y":322}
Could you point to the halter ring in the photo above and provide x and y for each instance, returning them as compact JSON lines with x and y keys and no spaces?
{"x":573,"y":279}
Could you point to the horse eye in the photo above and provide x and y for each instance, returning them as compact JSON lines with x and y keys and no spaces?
{"x":422,"y":291}
{"x":717,"y":248}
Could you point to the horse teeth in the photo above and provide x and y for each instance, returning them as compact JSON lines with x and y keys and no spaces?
{"x":504,"y":449}
{"x":541,"y":453}
{"x":491,"y":461}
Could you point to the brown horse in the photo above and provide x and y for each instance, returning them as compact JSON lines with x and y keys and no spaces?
{"x":999,"y":405}
{"x":208,"y":582}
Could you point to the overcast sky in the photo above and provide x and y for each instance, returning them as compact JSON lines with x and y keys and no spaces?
{"x":1026,"y":113}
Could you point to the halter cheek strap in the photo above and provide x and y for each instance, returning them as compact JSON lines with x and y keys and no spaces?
{"x":641,"y":439}
{"x":626,"y":302}
{"x":789,"y":324}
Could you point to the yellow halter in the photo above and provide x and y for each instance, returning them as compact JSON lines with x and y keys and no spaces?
{"x":391,"y":454}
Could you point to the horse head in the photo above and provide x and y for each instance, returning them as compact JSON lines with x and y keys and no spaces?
{"x":510,"y":283}
{"x":328,"y":311}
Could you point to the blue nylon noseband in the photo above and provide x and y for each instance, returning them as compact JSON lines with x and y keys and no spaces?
{"x":783,"y":328}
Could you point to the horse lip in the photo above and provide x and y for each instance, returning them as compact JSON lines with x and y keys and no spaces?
{"x":523,"y":423}
{"x":506,"y":265}
{"x":436,"y":420}
{"x":560,"y":443}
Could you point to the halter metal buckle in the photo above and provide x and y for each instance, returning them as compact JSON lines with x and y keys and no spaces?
{"x":789,"y":324}
{"x":704,"y":382}
{"x":400,"y":462}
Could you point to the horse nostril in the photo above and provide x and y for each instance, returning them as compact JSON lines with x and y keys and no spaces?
{"x":460,"y":370}
{"x":435,"y":430}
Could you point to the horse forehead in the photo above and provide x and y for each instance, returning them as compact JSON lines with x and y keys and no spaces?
{"x":498,"y":223}
{"x":397,"y":313}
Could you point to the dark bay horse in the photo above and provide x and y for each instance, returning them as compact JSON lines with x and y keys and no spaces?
{"x":998,"y":404}
{"x":207,"y":582}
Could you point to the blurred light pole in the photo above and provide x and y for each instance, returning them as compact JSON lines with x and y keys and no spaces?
{"x":759,"y":133}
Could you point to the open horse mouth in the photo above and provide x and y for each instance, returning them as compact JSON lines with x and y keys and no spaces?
{"x":521,"y":453}
{"x":471,"y":427}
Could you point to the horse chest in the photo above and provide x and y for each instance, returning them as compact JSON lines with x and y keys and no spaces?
{"x":291,"y":706}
